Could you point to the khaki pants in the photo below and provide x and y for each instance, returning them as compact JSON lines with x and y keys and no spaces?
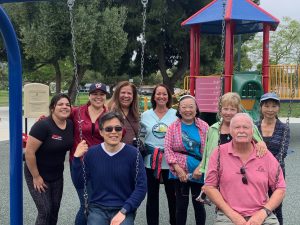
{"x":222,"y":219}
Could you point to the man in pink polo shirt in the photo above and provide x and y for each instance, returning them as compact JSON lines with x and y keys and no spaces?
{"x":244,"y":179}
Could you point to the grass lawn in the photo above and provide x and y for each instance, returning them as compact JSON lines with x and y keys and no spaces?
{"x":3,"y":98}
{"x":83,"y":98}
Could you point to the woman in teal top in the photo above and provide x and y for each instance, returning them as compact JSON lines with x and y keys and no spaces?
{"x":154,"y":125}
{"x":230,"y":105}
{"x":184,"y":144}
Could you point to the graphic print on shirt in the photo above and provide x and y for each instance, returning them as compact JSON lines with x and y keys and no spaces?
{"x":159,"y":130}
{"x":190,"y":142}
{"x":56,"y":137}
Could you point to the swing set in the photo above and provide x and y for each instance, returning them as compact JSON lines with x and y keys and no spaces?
{"x":15,"y":101}
{"x":15,"y":85}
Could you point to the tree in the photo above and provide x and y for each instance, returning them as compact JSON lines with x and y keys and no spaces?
{"x":46,"y":38}
{"x":167,"y":44}
{"x":40,"y":27}
{"x":284,"y":44}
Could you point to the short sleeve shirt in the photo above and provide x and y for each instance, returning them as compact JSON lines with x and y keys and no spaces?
{"x":56,"y":142}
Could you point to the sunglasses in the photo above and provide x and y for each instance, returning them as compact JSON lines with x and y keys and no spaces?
{"x":111,"y":128}
{"x":244,"y":178}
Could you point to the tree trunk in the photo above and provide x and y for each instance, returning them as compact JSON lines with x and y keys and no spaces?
{"x":57,"y":76}
{"x":181,"y":67}
{"x":74,"y":86}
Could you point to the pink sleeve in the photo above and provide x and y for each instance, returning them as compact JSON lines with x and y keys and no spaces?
{"x":212,"y":173}
{"x":169,"y":153}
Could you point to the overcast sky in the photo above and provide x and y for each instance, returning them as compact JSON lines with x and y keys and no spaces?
{"x":281,"y":8}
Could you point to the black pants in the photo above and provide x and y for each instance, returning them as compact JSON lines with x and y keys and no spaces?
{"x":48,"y":202}
{"x":278,"y":210}
{"x":182,"y":202}
{"x":152,"y":206}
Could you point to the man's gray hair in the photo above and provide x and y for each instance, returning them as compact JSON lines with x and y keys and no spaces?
{"x":243,"y":115}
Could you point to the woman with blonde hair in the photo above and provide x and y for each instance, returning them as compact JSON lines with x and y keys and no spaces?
{"x":229,"y":106}
{"x":125,"y":102}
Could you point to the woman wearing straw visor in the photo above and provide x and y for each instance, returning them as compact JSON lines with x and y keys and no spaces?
{"x":184,"y":144}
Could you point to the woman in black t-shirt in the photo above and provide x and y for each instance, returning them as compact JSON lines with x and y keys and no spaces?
{"x":49,"y":140}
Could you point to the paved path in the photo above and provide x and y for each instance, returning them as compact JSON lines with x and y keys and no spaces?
{"x":69,"y":204}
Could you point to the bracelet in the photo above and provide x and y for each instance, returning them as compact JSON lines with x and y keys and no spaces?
{"x":268,"y":211}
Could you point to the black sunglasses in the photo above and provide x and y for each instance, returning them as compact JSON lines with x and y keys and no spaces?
{"x":244,"y":178}
{"x":111,"y":128}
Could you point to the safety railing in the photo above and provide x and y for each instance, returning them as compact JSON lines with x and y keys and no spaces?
{"x":282,"y":79}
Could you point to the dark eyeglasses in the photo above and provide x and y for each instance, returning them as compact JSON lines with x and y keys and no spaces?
{"x":244,"y":178}
{"x":111,"y":128}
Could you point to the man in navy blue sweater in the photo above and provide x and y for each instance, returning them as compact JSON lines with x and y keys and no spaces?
{"x":116,"y":173}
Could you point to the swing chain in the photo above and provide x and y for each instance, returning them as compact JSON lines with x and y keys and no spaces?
{"x":143,"y":43}
{"x":73,"y":41}
{"x":221,"y":86}
{"x":284,"y":139}
{"x":71,"y":6}
{"x":144,"y":2}
{"x":137,"y":166}
{"x":143,"y":38}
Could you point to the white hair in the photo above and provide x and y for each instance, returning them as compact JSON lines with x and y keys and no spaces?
{"x":245,"y":115}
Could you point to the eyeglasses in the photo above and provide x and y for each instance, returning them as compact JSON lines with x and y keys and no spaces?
{"x":243,"y":172}
{"x":203,"y":199}
{"x":111,"y":128}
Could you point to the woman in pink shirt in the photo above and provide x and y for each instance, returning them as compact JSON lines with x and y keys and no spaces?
{"x":184,"y":144}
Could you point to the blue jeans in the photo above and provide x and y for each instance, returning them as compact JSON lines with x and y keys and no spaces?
{"x":103,"y":215}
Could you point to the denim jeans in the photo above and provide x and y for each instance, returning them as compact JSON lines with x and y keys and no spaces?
{"x":103,"y":215}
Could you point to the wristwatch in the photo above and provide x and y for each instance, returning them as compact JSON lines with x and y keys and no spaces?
{"x":123,"y":211}
{"x":268,"y":211}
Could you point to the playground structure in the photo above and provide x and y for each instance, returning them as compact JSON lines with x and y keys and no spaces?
{"x":207,"y":20}
{"x":229,"y":18}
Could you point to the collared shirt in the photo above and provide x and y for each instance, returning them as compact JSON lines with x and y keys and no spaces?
{"x":212,"y":143}
{"x":260,"y":173}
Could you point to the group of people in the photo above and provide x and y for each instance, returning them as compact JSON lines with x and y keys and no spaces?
{"x":181,"y":151}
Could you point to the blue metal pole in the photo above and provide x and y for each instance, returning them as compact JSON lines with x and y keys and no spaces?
{"x":15,"y":119}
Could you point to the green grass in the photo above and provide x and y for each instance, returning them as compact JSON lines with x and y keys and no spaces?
{"x":3,"y":98}
{"x":83,"y":98}
{"x":284,"y":108}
